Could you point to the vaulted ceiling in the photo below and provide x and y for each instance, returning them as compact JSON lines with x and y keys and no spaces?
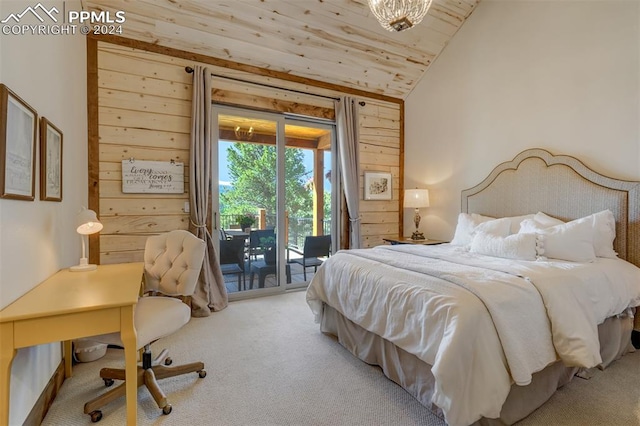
{"x":333,"y":41}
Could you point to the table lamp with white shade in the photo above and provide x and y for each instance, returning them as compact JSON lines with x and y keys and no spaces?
{"x":416,"y":198}
{"x":87,"y":223}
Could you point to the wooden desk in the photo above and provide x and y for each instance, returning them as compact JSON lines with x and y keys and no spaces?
{"x":70,"y":305}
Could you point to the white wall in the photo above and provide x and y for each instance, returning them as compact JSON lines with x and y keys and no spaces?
{"x":37,"y":238}
{"x":559,"y":75}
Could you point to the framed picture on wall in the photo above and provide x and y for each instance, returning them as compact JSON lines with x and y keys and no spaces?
{"x":18,"y":128}
{"x":377,"y":186}
{"x":50,"y":161}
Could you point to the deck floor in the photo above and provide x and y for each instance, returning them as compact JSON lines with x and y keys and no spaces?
{"x":297,"y":277}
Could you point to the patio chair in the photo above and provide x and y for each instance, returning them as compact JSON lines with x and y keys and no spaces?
{"x":314,"y":247}
{"x":232,"y":259}
{"x":255,"y":246}
{"x":263,"y":269}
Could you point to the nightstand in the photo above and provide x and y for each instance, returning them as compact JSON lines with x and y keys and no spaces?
{"x":408,"y":240}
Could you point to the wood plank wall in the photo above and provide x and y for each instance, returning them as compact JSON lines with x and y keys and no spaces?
{"x":380,"y":150}
{"x":144,"y":112}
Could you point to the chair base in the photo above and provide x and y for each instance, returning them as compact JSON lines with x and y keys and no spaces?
{"x":148,"y":377}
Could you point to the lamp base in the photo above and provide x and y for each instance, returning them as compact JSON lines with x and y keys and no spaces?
{"x":83,"y":266}
{"x":417,"y":235}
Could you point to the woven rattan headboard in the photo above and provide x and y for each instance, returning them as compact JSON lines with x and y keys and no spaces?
{"x":560,"y":186}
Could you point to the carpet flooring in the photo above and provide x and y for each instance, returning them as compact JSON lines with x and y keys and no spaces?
{"x":268,"y":364}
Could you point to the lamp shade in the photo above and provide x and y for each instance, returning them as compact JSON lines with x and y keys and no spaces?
{"x":416,"y":198}
{"x":87,"y":222}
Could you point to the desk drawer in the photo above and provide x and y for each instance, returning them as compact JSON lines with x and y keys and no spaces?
{"x":36,"y":331}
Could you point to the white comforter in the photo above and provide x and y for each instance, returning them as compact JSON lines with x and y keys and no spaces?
{"x":481,"y":322}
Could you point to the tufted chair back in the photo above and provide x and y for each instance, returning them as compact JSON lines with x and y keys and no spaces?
{"x":172,"y":263}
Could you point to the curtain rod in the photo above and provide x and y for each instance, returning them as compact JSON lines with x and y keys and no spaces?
{"x":190,"y":71}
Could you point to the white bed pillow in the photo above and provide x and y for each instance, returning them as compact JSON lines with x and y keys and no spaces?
{"x":465,"y":227}
{"x":572,"y":241}
{"x":516,"y":221}
{"x":604,"y":232}
{"x":603,"y":227}
{"x":530,"y":226}
{"x":538,"y":221}
{"x":499,"y":227}
{"x":515,"y":246}
{"x":547,"y":221}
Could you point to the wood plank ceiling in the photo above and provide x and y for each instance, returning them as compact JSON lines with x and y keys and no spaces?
{"x":334,"y":41}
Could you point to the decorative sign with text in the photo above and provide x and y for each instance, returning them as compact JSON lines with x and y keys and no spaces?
{"x":161,"y":177}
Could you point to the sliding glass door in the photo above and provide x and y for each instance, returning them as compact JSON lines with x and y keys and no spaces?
{"x":272,"y":189}
{"x":309,"y":202}
{"x":245,"y":202}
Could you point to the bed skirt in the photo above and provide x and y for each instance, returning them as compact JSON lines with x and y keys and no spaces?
{"x":415,"y":376}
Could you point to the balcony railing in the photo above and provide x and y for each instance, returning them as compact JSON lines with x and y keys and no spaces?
{"x":298,"y":227}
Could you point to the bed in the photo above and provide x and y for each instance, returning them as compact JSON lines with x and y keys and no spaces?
{"x":486,"y":329}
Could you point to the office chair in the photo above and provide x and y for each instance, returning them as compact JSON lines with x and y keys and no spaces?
{"x":314,"y":247}
{"x":172,"y":264}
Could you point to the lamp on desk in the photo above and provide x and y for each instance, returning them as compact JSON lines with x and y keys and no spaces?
{"x":87,"y":223}
{"x":416,"y":198}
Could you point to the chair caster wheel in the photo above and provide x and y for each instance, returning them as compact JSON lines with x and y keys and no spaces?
{"x":166,"y":410}
{"x":96,"y":416}
{"x":168,"y":361}
{"x":108,"y":382}
{"x":202,"y":374}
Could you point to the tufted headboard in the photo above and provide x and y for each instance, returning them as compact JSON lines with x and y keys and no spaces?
{"x":560,"y":186}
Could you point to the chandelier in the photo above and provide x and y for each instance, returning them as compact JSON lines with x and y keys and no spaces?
{"x":243,"y":134}
{"x":399,"y":15}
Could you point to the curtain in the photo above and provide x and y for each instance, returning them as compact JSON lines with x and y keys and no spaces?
{"x":211,"y":293}
{"x":347,"y":123}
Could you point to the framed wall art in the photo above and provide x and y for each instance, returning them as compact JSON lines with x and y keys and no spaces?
{"x":50,"y":161}
{"x":18,"y":129}
{"x":377,"y":186}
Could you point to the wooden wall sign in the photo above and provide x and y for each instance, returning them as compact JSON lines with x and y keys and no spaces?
{"x":160,"y":177}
